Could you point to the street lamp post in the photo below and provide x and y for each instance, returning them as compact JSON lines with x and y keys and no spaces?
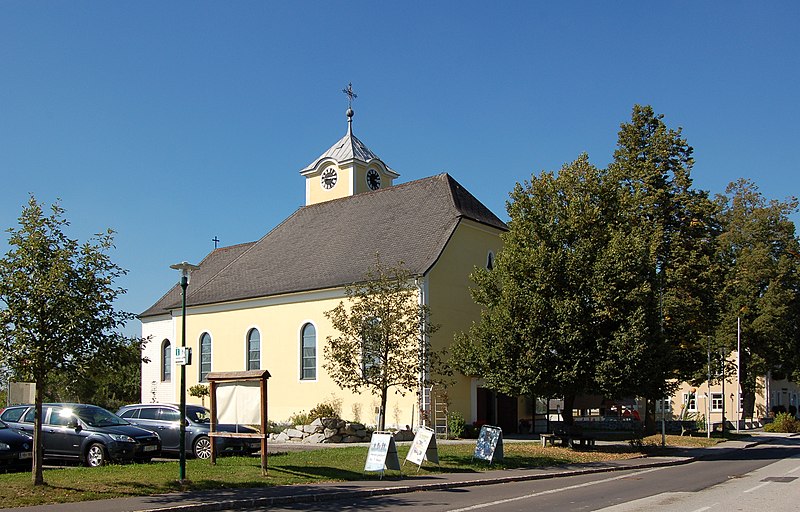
{"x":186,"y":269}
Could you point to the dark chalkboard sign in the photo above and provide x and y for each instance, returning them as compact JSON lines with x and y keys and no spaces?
{"x":490,"y":444}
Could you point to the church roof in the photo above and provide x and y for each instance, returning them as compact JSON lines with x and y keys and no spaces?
{"x":347,"y":148}
{"x":333,"y":243}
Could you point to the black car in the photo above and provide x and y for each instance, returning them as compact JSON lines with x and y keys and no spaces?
{"x":86,"y":433}
{"x":16,"y":448}
{"x":163,"y":419}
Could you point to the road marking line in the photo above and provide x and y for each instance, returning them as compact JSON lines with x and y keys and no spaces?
{"x":551,"y":491}
{"x":795,"y":469}
{"x":759,"y":486}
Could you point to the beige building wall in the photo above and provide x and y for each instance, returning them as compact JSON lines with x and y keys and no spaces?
{"x":709,"y":401}
{"x":280,"y":323}
{"x":451,"y":304}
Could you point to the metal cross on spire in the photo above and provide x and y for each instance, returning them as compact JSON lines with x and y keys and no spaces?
{"x":216,"y":241}
{"x":350,"y":95}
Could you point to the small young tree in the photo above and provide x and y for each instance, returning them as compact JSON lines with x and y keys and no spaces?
{"x":57,"y":313}
{"x":199,"y":391}
{"x":383,"y":337}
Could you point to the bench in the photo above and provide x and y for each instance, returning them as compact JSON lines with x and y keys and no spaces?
{"x":568,"y":437}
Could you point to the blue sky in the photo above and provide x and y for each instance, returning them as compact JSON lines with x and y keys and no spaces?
{"x":175,"y":122}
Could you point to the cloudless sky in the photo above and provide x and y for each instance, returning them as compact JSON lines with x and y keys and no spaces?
{"x":175,"y":122}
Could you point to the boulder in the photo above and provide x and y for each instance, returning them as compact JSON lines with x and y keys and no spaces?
{"x":294,"y":433}
{"x":314,"y":438}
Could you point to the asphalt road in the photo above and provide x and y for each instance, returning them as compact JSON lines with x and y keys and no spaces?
{"x":766,"y":477}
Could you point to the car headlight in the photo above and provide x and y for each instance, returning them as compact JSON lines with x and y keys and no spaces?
{"x":121,"y":438}
{"x":4,"y":446}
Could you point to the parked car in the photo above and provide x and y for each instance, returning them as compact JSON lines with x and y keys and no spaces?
{"x":86,"y":433}
{"x":16,"y":448}
{"x":164,"y":419}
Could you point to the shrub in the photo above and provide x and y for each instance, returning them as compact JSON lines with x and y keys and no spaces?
{"x":300,"y":418}
{"x":329,"y":409}
{"x":784,"y":422}
{"x":455,"y":424}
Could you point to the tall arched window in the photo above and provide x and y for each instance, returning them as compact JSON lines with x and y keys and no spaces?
{"x":490,"y":261}
{"x":205,"y":356}
{"x":253,"y":350}
{"x":309,"y":353}
{"x":166,"y":361}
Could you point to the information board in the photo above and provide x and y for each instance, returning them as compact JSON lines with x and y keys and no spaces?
{"x":423,"y":447}
{"x":382,"y":453}
{"x":490,"y":444}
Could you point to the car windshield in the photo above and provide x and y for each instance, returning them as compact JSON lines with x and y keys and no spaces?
{"x":198,"y":414}
{"x":98,"y":417}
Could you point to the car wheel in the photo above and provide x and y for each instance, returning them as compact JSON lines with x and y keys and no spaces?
{"x":96,"y":455}
{"x":202,"y":447}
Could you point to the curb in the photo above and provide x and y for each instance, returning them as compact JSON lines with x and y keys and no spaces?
{"x":323,"y":496}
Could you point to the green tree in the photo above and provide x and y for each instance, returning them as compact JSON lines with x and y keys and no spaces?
{"x":565,"y":306}
{"x":107,"y":382}
{"x":383,"y":339}
{"x":653,"y":164}
{"x":761,"y":255}
{"x":58,"y":314}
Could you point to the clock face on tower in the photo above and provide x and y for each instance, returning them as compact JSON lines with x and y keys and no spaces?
{"x":373,"y":179}
{"x":328,"y":178}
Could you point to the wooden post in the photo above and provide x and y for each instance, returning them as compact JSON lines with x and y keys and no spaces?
{"x":264,"y":427}
{"x":213,"y":399}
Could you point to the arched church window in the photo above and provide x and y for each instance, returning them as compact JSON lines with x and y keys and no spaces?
{"x":490,"y":261}
{"x":309,"y":352}
{"x":253,"y":350}
{"x":205,"y":356}
{"x":166,"y":361}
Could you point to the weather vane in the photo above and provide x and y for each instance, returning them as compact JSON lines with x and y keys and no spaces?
{"x":350,"y":95}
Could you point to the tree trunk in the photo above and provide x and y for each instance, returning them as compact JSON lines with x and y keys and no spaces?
{"x":566,"y":413}
{"x":649,"y":416}
{"x":38,"y":441}
{"x":382,"y":410}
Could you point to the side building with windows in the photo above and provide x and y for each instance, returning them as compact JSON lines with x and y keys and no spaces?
{"x":261,"y":305}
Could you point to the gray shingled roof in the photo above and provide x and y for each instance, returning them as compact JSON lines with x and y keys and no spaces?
{"x":334,"y":243}
{"x":215,"y":261}
{"x":347,"y":148}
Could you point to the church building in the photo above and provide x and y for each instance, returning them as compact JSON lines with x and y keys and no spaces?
{"x":261,"y":305}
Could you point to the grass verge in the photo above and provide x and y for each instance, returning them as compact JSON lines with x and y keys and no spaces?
{"x":73,"y":484}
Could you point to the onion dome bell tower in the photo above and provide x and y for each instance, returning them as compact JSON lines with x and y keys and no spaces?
{"x":347,"y":168}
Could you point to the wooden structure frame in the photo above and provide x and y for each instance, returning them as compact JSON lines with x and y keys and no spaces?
{"x":259,"y":376}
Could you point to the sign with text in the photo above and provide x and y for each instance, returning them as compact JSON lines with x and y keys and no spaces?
{"x":382,"y":453}
{"x":183,"y":356}
{"x":490,"y":444}
{"x":423,"y":447}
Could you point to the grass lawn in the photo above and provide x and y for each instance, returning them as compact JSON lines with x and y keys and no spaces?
{"x":323,"y":465}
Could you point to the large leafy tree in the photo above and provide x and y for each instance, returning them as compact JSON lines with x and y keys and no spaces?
{"x":383,"y":340}
{"x":761,"y":254}
{"x":653,"y":164}
{"x":568,"y":302}
{"x":58,"y":317}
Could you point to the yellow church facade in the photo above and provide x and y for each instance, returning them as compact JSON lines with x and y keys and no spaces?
{"x":261,"y":305}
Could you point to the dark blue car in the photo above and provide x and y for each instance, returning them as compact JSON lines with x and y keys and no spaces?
{"x":86,"y":433}
{"x":16,"y":448}
{"x":164,"y":419}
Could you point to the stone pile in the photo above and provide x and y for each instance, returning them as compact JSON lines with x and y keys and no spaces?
{"x":325,"y":430}
{"x":332,"y":430}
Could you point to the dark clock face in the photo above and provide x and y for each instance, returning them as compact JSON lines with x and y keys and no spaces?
{"x":328,"y":178}
{"x":373,"y":179}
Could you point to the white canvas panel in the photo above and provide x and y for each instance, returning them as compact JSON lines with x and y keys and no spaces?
{"x":239,"y":402}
